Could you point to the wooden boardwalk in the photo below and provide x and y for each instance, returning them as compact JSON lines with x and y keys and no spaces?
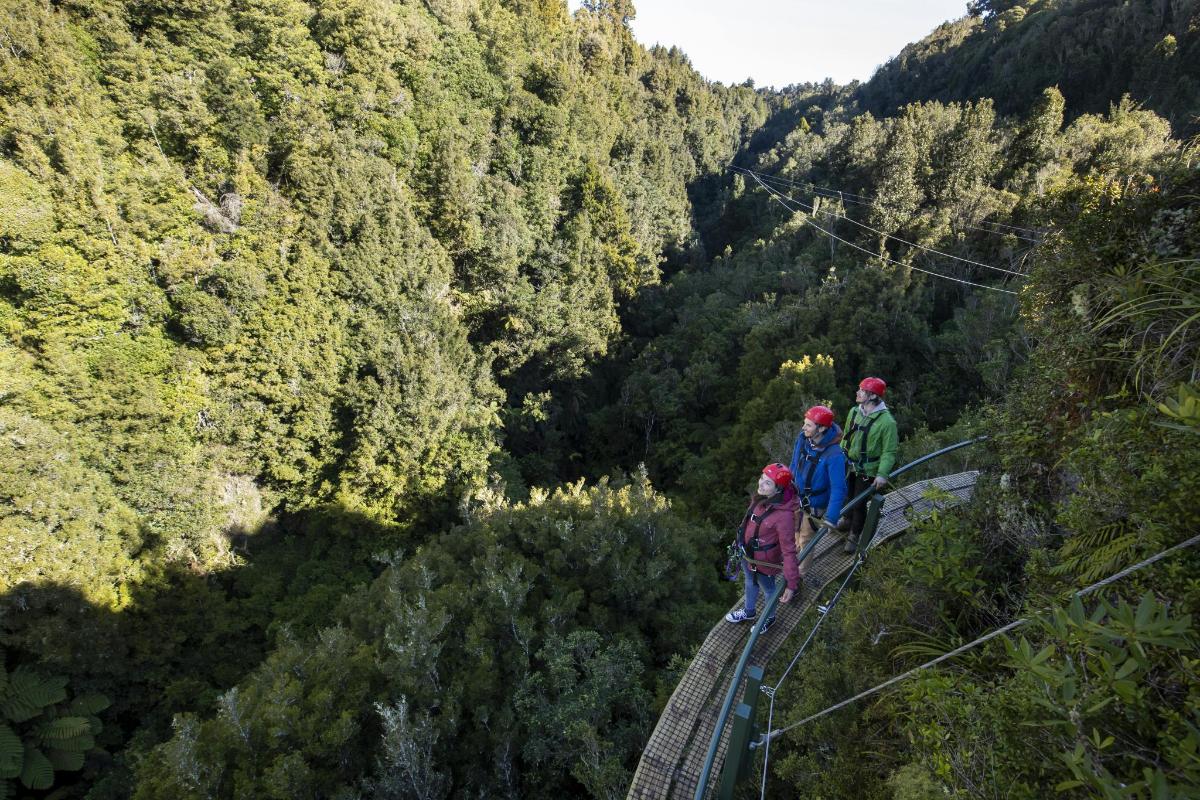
{"x":674,"y":755}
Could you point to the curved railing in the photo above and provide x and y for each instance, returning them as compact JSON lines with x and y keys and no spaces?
{"x":773,"y":600}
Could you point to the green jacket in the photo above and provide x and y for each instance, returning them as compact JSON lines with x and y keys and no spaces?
{"x":881,"y":441}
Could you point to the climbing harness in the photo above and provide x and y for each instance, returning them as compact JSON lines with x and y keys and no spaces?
{"x":812,"y":461}
{"x":737,"y":552}
{"x":756,"y":546}
{"x":861,"y":463}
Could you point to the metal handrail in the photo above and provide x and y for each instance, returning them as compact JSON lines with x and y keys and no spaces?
{"x":773,"y":600}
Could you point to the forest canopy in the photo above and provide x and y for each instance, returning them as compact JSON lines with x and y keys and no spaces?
{"x":380,"y":383}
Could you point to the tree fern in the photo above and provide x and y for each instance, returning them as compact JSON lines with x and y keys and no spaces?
{"x":29,"y":692}
{"x":65,"y":760}
{"x":37,"y":734}
{"x":88,"y":705}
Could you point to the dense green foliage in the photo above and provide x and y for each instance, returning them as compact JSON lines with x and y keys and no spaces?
{"x":472,"y":665}
{"x":1095,"y":698}
{"x":352,"y":351}
{"x":1092,"y":50}
{"x":39,"y":731}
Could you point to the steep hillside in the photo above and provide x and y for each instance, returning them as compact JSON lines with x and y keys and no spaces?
{"x":278,"y":281}
{"x":1092,"y":50}
{"x":378,"y":380}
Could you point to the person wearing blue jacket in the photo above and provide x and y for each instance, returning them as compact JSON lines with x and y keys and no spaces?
{"x":819,"y":470}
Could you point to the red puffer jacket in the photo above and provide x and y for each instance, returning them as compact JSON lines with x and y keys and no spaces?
{"x":774,"y":523}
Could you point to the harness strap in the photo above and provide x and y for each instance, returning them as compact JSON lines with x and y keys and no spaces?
{"x":754,"y":545}
{"x":812,"y":461}
{"x":862,"y":461}
{"x":753,"y":562}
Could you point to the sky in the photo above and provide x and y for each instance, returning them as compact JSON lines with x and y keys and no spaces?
{"x":778,"y":42}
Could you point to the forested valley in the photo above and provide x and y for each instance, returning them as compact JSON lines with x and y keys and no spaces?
{"x":381,"y":382}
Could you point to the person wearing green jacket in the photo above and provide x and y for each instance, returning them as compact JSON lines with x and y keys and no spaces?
{"x":870,"y":442}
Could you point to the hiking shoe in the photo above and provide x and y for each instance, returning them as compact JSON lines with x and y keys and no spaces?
{"x":740,"y":616}
{"x":850,"y":546}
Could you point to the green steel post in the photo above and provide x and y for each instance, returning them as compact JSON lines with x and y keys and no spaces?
{"x":754,"y":678}
{"x":874,"y":507}
{"x":737,"y":758}
{"x":739,"y":744}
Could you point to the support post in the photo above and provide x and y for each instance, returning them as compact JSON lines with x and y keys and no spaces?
{"x":871,"y":523}
{"x":737,"y":757}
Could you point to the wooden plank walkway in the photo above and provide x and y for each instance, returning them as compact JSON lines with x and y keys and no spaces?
{"x":674,"y":755}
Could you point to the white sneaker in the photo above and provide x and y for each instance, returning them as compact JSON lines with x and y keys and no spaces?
{"x":739,"y":616}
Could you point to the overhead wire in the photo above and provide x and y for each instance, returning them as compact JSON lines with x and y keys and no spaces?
{"x":860,"y":200}
{"x":855,"y":199}
{"x":784,"y":202}
{"x":970,"y":645}
{"x":841,"y":196}
{"x":853,"y":221}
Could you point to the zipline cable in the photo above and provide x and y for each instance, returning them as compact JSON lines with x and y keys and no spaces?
{"x":860,"y":200}
{"x":986,"y":638}
{"x":813,"y":210}
{"x":853,"y":221}
{"x":834,"y":236}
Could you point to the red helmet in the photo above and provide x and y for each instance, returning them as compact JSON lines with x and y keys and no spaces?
{"x":822,"y":415}
{"x":873,"y":385}
{"x":778,"y":473}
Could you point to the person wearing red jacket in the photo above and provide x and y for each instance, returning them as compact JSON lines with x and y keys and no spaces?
{"x":768,"y":536}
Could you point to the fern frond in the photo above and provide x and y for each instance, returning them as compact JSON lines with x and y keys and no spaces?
{"x":88,"y":705}
{"x":65,"y":760}
{"x":1098,"y":552}
{"x":64,"y":729}
{"x":1081,"y":547}
{"x":29,"y":692}
{"x":78,"y":743}
{"x":1111,"y":557}
{"x":38,"y":772}
{"x":12,"y":753}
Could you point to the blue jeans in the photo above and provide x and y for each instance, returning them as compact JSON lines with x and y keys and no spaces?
{"x":754,"y":582}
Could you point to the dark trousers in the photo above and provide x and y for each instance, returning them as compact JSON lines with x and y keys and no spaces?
{"x":858,"y":514}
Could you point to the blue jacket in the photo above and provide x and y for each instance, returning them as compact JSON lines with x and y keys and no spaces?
{"x":827,"y":487}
